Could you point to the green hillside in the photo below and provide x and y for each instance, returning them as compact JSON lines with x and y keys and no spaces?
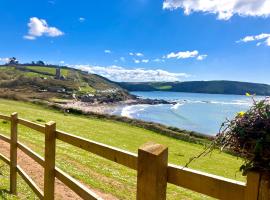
{"x":211,"y":87}
{"x":41,"y":82}
{"x":97,"y":172}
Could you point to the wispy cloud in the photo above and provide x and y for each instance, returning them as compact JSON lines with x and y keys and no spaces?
{"x":39,"y":27}
{"x":81,"y":19}
{"x":224,"y":9}
{"x":201,"y":57}
{"x":145,"y":60}
{"x":262,"y":38}
{"x":158,"y":60}
{"x":119,"y":74}
{"x":107,"y":51}
{"x":185,"y":55}
{"x":139,"y":54}
{"x":136,"y":54}
{"x":136,"y":61}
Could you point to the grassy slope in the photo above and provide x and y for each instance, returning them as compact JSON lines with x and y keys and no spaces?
{"x":98,"y":172}
{"x":75,"y":80}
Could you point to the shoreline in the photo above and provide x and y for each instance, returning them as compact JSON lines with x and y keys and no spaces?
{"x":107,"y":108}
{"x":168,"y":131}
{"x":95,"y":108}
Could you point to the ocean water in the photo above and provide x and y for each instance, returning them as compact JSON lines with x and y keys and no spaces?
{"x":203,"y":113}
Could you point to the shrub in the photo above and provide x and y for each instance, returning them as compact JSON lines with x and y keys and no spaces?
{"x":248,"y":136}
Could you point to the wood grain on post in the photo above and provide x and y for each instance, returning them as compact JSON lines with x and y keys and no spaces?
{"x":252,"y":187}
{"x":49,"y":166}
{"x":13,"y":152}
{"x":152,"y":172}
{"x":264,"y":190}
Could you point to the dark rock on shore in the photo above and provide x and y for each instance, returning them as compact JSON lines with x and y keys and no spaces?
{"x":153,"y":101}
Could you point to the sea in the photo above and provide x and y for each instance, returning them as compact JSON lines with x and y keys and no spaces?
{"x":203,"y":113}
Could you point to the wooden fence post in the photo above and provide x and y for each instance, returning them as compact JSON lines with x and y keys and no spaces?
{"x":49,"y":167}
{"x":258,"y":186}
{"x":264,"y":188}
{"x":13,"y":152}
{"x":152,"y":172}
{"x":253,"y":184}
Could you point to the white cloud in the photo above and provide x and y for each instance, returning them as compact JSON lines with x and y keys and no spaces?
{"x":81,"y":19}
{"x":201,"y":57}
{"x":268,"y":41}
{"x":29,"y":37}
{"x":224,"y":9}
{"x":263,"y":38}
{"x":145,"y":60}
{"x":39,"y":27}
{"x":136,"y":54}
{"x":62,"y":62}
{"x":137,"y":61}
{"x":119,"y":74}
{"x":107,"y":51}
{"x":139,"y":54}
{"x":4,"y":60}
{"x":183,"y":54}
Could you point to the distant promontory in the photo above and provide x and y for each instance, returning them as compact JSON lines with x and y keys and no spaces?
{"x":210,"y":87}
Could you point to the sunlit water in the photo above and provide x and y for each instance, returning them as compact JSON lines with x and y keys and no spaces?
{"x":203,"y":113}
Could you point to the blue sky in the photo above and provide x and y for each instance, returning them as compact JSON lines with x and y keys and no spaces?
{"x":141,"y":40}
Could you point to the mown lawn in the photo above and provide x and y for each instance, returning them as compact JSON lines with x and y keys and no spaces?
{"x":98,"y":172}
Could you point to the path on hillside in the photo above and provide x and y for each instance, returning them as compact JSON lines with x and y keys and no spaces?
{"x":36,"y":172}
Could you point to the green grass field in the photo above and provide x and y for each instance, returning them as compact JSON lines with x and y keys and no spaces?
{"x":164,"y":87}
{"x":48,"y":70}
{"x":97,"y":172}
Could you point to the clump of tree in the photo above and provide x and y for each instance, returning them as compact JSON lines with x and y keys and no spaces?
{"x":39,"y":63}
{"x":13,"y":61}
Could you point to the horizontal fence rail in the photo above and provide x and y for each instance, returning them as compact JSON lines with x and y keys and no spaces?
{"x":32,"y":125}
{"x":208,"y":184}
{"x":75,"y":185}
{"x":30,"y":182}
{"x":111,"y":153}
{"x":5,"y":159}
{"x":153,"y":174}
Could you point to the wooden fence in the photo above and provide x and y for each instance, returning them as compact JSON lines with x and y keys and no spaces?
{"x":151,"y":163}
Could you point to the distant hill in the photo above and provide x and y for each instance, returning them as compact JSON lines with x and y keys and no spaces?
{"x":211,"y":87}
{"x":55,"y":83}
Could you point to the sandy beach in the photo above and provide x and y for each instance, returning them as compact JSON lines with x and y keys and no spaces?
{"x":97,"y":108}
